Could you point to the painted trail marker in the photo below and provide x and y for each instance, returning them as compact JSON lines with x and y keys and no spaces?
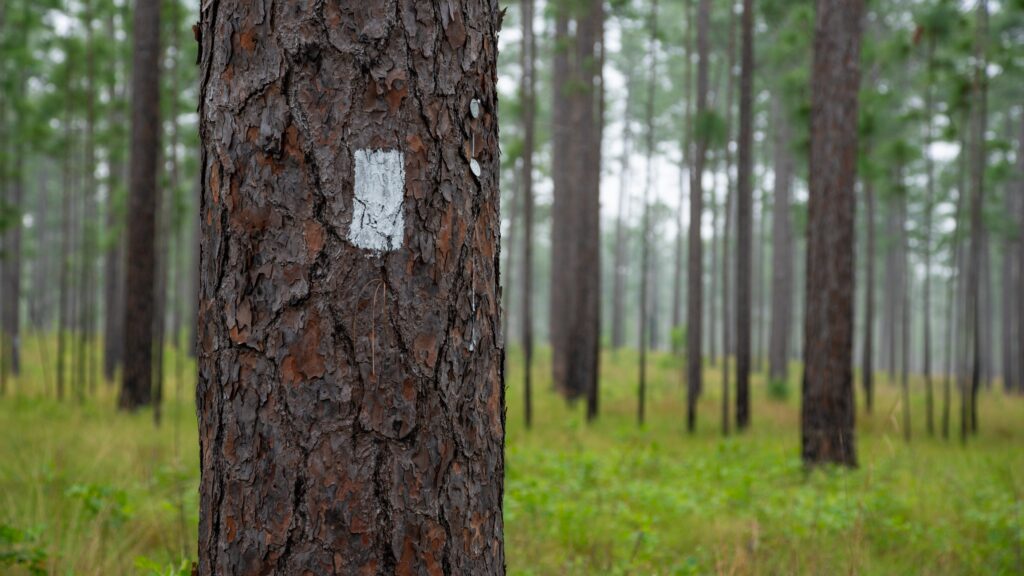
{"x":378,"y":222}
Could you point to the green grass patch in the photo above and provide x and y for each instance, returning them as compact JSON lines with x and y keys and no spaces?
{"x":85,"y":490}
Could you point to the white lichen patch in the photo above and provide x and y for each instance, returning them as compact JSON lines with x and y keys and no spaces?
{"x":378,"y":223}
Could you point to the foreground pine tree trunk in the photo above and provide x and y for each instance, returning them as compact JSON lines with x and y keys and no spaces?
{"x":828,"y":406}
{"x":350,"y":392}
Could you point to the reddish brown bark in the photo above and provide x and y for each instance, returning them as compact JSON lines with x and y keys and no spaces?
{"x":350,"y":400}
{"x":828,"y":408}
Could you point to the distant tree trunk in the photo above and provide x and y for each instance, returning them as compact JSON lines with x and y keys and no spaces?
{"x":977,"y":151}
{"x":1009,"y":284}
{"x":1020,"y":253}
{"x":714,"y":291}
{"x":687,"y":164}
{"x":562,"y":159}
{"x":645,"y":259}
{"x":760,"y":286}
{"x":929,"y":201}
{"x":113,"y":319}
{"x":891,"y":312}
{"x":12,"y":266}
{"x":590,"y":264}
{"x":986,"y":323}
{"x":782,"y":250}
{"x":137,"y":379}
{"x":745,"y":220}
{"x":529,"y":104}
{"x":868,"y":353}
{"x":827,"y":409}
{"x":351,"y":376}
{"x":41,"y":273}
{"x":620,"y":265}
{"x":86,"y":235}
{"x":955,"y":326}
{"x":727,"y":336}
{"x":575,"y":261}
{"x":695,"y":273}
{"x":67,"y":195}
{"x":906,"y":282}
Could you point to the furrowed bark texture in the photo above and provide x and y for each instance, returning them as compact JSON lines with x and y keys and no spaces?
{"x":350,"y":401}
{"x":828,"y":406}
{"x":140,"y":295}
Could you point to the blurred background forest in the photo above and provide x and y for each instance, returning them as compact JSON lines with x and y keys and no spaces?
{"x":612,"y":113}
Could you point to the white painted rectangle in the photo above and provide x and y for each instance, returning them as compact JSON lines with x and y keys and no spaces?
{"x":378,"y":222}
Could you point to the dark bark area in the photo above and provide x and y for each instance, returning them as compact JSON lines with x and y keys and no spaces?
{"x":695,"y":264}
{"x":745,"y":219}
{"x":828,"y":408}
{"x":136,"y":387}
{"x":350,"y":399}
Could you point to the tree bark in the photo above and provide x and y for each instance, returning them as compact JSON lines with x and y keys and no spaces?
{"x":136,"y":387}
{"x":828,"y":410}
{"x":695,"y":265}
{"x":350,"y":393}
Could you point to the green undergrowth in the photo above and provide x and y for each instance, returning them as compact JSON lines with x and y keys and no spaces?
{"x":85,"y":490}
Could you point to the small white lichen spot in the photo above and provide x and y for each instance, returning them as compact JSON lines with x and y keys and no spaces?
{"x":378,"y":223}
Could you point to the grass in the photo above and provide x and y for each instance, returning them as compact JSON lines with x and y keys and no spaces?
{"x":85,"y":490}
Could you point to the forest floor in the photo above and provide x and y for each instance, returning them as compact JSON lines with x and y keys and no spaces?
{"x":87,"y":491}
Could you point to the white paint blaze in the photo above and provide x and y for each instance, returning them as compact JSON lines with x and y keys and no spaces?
{"x":378,"y":222}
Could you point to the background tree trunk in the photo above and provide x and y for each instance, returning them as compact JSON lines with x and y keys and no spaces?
{"x":645,"y":259}
{"x":828,"y":410}
{"x":868,"y":352}
{"x":529,"y":104}
{"x":350,"y":389}
{"x":745,"y":219}
{"x":695,"y":272}
{"x":137,"y":381}
{"x":975,"y":264}
{"x":620,"y":264}
{"x":782,"y":250}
